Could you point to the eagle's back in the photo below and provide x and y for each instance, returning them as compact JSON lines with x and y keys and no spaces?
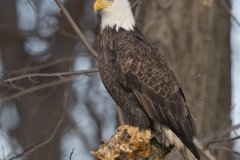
{"x":140,"y":81}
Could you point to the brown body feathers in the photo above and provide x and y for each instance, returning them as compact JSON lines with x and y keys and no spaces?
{"x":139,"y":80}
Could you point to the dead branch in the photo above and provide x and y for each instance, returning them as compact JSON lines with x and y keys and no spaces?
{"x":47,"y":85}
{"x":206,"y":152}
{"x":230,"y":150}
{"x":136,"y":3}
{"x":222,"y":133}
{"x":71,"y":154}
{"x":40,"y":143}
{"x":195,"y":77}
{"x":79,"y":33}
{"x":228,"y":9}
{"x":222,"y":140}
{"x":162,"y":11}
{"x":46,"y":65}
{"x":48,"y":137}
{"x":59,"y":74}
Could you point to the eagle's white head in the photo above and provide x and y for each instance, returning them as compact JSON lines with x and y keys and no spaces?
{"x":115,"y":13}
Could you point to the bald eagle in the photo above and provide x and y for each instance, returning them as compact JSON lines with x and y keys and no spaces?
{"x":138,"y":78}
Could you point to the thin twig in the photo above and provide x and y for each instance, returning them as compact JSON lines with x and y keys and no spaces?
{"x":225,"y":131}
{"x":46,"y":85}
{"x":163,"y":11}
{"x":230,"y":12}
{"x":41,"y":143}
{"x":79,"y":33}
{"x":206,"y":152}
{"x":3,"y":152}
{"x":71,"y":154}
{"x":223,"y":140}
{"x":228,"y":150}
{"x":194,"y":78}
{"x":59,"y":74}
{"x":48,"y":137}
{"x":137,"y":10}
{"x":135,"y":3}
{"x":49,"y":64}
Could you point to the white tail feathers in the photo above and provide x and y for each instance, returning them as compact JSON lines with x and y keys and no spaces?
{"x":173,"y":139}
{"x":187,"y":154}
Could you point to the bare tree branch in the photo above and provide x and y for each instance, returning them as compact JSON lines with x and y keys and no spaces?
{"x":49,"y":136}
{"x":47,"y":85}
{"x":136,"y":3}
{"x":223,"y":140}
{"x":79,"y":33}
{"x":230,"y":150}
{"x":230,"y":12}
{"x":221,"y":133}
{"x":60,"y":75}
{"x":30,"y":69}
{"x":163,"y":10}
{"x":206,"y":152}
{"x":71,"y":154}
{"x":195,"y":77}
{"x":40,"y":143}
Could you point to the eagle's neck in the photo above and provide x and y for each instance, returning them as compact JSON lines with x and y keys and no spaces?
{"x":120,"y":17}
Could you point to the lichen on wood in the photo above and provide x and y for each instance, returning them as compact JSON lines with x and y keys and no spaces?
{"x":130,"y":143}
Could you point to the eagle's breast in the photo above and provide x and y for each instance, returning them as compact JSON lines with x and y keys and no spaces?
{"x":112,"y":74}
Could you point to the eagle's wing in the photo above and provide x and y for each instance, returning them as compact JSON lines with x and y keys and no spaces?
{"x":145,"y":72}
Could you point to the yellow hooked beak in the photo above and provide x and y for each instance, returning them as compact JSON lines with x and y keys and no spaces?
{"x":100,"y":4}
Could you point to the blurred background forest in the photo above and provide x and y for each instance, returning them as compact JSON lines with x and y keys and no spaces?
{"x":63,"y":113}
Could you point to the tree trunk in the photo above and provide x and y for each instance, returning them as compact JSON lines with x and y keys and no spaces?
{"x":195,"y":39}
{"x":38,"y":111}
